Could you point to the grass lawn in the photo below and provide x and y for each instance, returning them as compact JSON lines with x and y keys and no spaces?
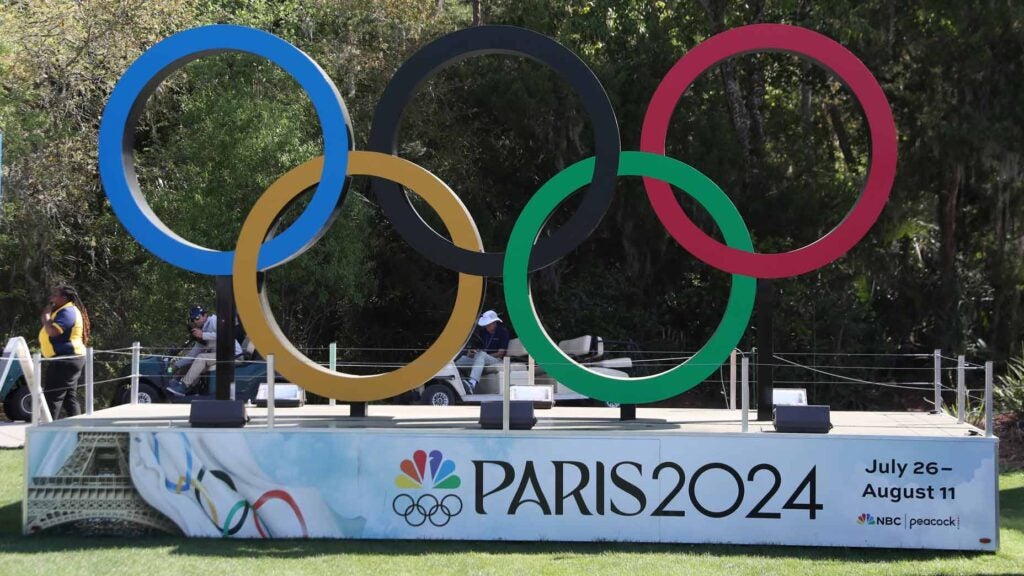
{"x":57,"y":555}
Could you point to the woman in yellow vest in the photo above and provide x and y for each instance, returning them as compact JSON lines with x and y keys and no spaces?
{"x":62,"y":340}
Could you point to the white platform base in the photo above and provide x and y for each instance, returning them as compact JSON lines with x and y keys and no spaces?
{"x":879,"y":479}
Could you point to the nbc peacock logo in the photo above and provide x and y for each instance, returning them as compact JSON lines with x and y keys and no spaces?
{"x":866,"y":519}
{"x":427,"y":472}
{"x":414,"y":472}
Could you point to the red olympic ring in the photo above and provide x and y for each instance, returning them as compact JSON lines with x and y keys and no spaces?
{"x":835,"y":58}
{"x":287,"y":499}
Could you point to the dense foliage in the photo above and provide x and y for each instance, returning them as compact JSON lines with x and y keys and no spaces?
{"x":941,"y":269}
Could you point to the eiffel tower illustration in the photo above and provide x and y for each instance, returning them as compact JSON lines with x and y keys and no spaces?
{"x":93,"y":492}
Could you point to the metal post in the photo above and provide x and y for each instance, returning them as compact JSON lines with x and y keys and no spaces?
{"x":271,"y":377}
{"x":334,"y":366}
{"x":732,"y":379}
{"x":531,"y":365}
{"x":961,"y":390}
{"x":988,"y":399}
{"x":89,"y":382}
{"x":135,"y":374}
{"x":745,"y":391}
{"x":36,"y":388}
{"x":225,"y":337}
{"x":938,"y":382}
{"x":765,"y":347}
{"x":38,"y":398}
{"x":506,"y":392}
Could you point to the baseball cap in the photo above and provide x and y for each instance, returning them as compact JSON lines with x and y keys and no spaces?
{"x":196,"y":312}
{"x":487,"y":318}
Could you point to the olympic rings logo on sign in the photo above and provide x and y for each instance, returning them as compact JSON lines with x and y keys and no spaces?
{"x":200,"y":485}
{"x":256,"y":252}
{"x":427,"y":507}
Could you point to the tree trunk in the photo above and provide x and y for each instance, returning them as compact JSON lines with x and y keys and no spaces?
{"x":949,"y":331}
{"x":733,"y":94}
{"x":842,"y":136}
{"x":1004,"y":264}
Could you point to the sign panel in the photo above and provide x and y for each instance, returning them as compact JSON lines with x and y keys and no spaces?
{"x":744,"y":489}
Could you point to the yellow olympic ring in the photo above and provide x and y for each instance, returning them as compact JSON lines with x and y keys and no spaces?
{"x":262,"y":329}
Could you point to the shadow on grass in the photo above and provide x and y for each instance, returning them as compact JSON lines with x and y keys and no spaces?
{"x":1011,"y":508}
{"x":12,"y":542}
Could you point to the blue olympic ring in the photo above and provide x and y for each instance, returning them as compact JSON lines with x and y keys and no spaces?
{"x":116,"y":142}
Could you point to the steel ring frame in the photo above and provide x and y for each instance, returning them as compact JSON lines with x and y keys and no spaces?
{"x":262,"y":329}
{"x":639,"y":390}
{"x":475,"y":41}
{"x":834,"y":57}
{"x":128,"y":99}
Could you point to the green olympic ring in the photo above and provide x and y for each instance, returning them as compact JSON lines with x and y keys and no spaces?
{"x":609,"y":388}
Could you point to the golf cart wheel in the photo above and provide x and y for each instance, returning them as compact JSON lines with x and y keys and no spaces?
{"x":18,"y":404}
{"x":148,"y":394}
{"x":438,"y":395}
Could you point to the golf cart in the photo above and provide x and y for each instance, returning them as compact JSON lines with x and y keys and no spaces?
{"x":156,"y":372}
{"x":447,"y":387}
{"x":14,"y":392}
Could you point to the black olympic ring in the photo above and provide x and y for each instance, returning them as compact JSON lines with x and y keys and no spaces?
{"x":419,"y":511}
{"x":223,"y":477}
{"x":475,"y":41}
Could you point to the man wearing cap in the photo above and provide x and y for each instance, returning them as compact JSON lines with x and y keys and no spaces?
{"x":203,"y":354}
{"x":493,"y":337}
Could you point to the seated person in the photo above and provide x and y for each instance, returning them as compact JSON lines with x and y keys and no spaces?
{"x":493,"y":338}
{"x":203,"y":354}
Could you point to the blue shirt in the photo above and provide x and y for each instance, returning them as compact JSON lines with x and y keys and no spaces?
{"x":491,"y":343}
{"x":68,"y":342}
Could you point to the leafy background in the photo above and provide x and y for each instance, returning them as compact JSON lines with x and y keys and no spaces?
{"x":942,"y":268}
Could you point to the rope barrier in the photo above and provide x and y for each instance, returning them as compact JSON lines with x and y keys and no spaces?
{"x":856,"y":380}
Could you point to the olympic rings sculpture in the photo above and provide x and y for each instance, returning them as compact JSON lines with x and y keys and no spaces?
{"x":258,"y":250}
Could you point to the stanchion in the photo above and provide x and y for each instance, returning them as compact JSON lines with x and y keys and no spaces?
{"x":271,"y":377}
{"x":38,"y":398}
{"x":961,"y":390}
{"x":89,"y":382}
{"x":745,"y":391}
{"x":938,"y":382}
{"x":135,"y":374}
{"x":732,"y":379}
{"x":334,"y":367}
{"x":506,"y":392}
{"x":36,"y":387}
{"x":988,"y":399}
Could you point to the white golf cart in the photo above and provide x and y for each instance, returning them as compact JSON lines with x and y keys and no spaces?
{"x":447,"y":387}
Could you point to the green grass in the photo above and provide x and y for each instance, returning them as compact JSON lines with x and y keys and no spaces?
{"x":58,"y":555}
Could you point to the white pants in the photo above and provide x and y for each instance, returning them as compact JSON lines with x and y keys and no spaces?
{"x":200,"y":364}
{"x":478,"y":361}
